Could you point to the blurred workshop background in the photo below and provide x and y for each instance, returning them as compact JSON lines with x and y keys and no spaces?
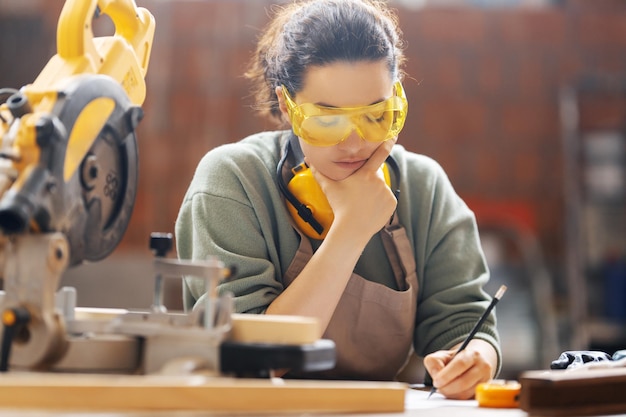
{"x":523,"y":102}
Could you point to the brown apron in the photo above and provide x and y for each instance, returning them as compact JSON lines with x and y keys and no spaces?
{"x":373,"y":325}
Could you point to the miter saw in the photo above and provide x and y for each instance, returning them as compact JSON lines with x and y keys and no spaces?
{"x":68,"y":179}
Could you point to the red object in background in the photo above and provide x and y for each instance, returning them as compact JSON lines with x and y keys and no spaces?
{"x":518,"y":215}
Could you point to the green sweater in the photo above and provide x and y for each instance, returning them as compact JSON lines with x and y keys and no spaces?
{"x":234,"y":210}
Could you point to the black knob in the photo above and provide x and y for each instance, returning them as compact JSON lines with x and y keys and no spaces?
{"x":18,"y":105}
{"x":161,"y":243}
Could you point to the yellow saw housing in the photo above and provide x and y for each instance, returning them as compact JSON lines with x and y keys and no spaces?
{"x":68,"y":152}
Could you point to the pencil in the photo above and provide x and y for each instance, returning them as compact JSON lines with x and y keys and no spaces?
{"x":477,"y":326}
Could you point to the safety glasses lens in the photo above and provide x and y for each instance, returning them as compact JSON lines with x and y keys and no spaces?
{"x":325,"y":130}
{"x":325,"y":126}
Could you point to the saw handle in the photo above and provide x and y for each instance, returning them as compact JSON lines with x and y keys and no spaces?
{"x":75,"y":35}
{"x":123,"y":56}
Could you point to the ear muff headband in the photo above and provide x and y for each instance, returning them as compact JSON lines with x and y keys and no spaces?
{"x":302,"y":212}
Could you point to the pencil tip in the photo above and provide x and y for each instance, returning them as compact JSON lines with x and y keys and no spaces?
{"x":432,"y":391}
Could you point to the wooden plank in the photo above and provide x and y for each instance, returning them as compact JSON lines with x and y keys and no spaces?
{"x":574,"y":392}
{"x":274,"y":329}
{"x":71,"y":392}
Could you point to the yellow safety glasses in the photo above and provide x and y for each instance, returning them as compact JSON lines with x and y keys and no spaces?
{"x":328,"y":126}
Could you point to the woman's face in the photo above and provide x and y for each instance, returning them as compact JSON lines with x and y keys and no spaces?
{"x":342,"y":84}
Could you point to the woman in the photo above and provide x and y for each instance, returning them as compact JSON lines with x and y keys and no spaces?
{"x":397,"y":263}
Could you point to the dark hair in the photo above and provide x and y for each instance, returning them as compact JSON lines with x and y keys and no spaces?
{"x":316,"y":33}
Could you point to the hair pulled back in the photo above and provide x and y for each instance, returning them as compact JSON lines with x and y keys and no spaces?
{"x":309,"y":33}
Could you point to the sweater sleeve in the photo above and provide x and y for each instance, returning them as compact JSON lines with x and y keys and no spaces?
{"x":219,"y":218}
{"x":452,"y":270}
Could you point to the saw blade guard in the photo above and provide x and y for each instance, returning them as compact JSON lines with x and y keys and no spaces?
{"x":85,"y":179}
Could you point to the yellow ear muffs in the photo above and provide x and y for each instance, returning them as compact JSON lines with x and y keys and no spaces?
{"x":307,"y":191}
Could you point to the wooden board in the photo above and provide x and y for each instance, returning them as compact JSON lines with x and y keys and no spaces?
{"x":74,"y":392}
{"x":274,"y":329}
{"x":574,"y":393}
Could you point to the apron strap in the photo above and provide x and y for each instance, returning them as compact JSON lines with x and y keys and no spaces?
{"x":398,"y":250}
{"x":302,"y":257}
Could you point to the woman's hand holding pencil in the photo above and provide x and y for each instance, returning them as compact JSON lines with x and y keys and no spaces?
{"x":457,"y":371}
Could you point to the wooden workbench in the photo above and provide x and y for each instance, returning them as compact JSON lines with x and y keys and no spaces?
{"x":129,"y":396}
{"x":30,"y":394}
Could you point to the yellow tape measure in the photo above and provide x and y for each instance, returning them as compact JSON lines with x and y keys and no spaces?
{"x":498,"y":394}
